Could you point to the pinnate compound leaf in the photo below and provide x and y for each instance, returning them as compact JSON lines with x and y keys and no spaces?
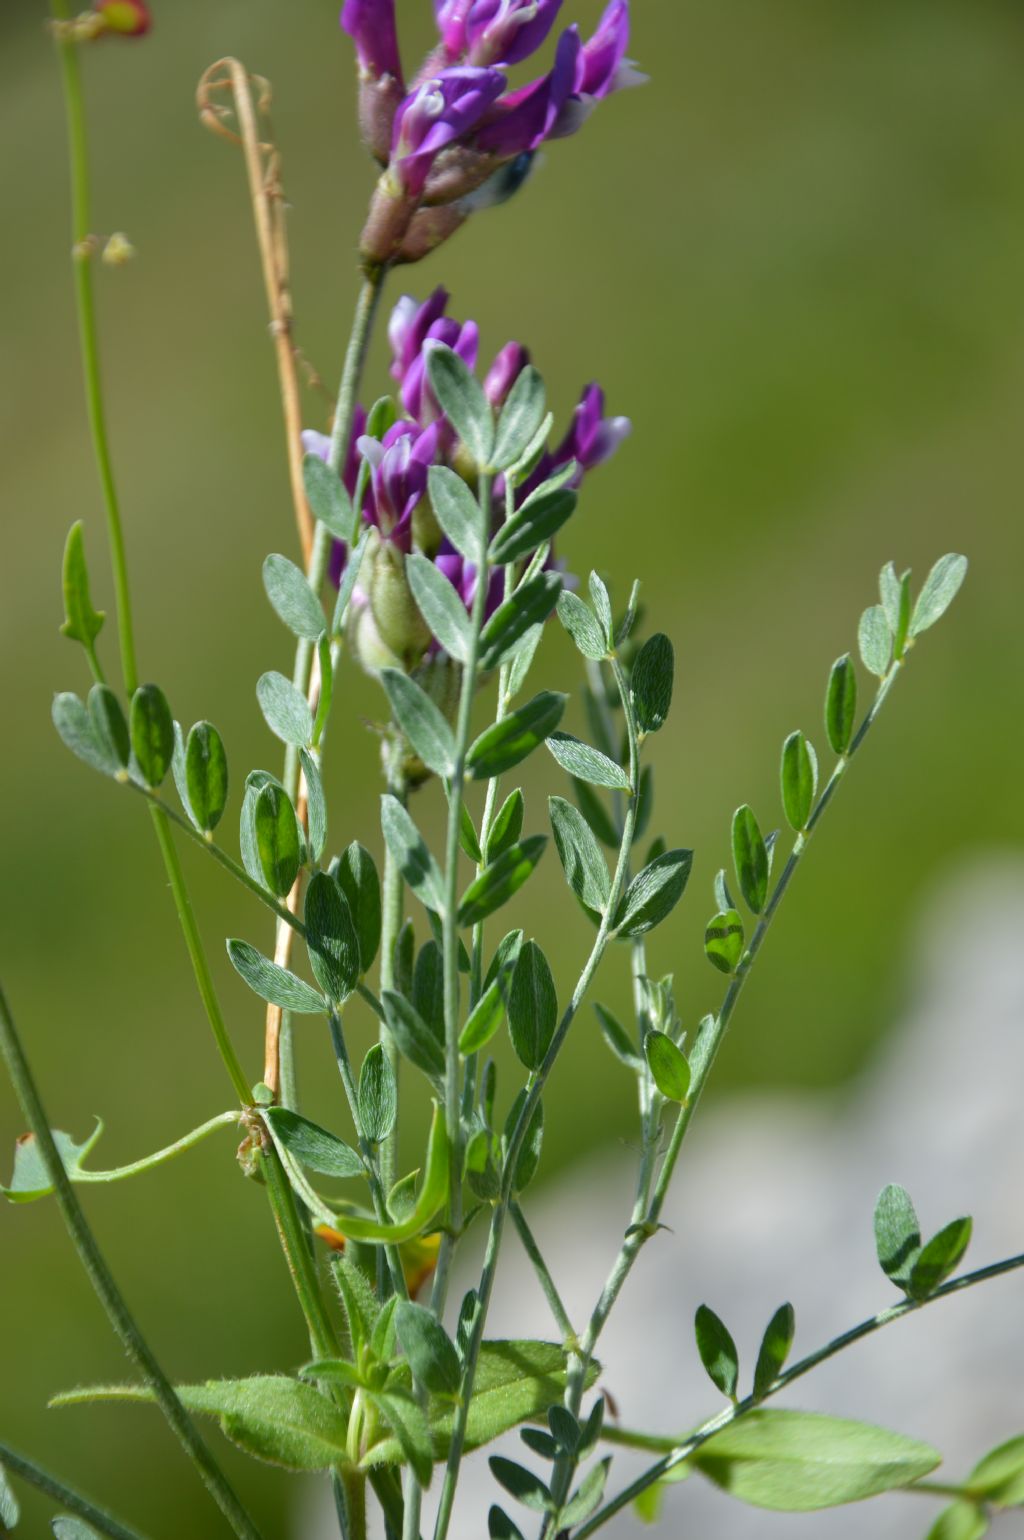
{"x":750,"y":858}
{"x":312,"y":1146}
{"x":653,"y":893}
{"x":414,"y":860}
{"x":586,"y":763}
{"x":82,"y":623}
{"x":717,"y":1351}
{"x":774,"y":1349}
{"x":285,"y":709}
{"x":508,"y":742}
{"x":582,"y":860}
{"x":292,"y":598}
{"x":841,"y":704}
{"x":531,"y":604}
{"x":152,"y":733}
{"x":938,"y":1258}
{"x":582,"y":625}
{"x":274,"y":983}
{"x":941,"y":587}
{"x":108,"y":720}
{"x":206,"y":775}
{"x":412,"y":1035}
{"x":331,"y":939}
{"x":30,"y":1179}
{"x":897,"y":1234}
{"x":539,"y":519}
{"x":457,"y":511}
{"x":874,"y":639}
{"x":440,"y":605}
{"x":429,"y":1349}
{"x":521,"y":416}
{"x":420,"y":720}
{"x":277,"y":838}
{"x":462,"y":401}
{"x":356,"y":876}
{"x":651,"y":683}
{"x":327,"y":497}
{"x":525,"y":1485}
{"x":378,"y":1095}
{"x":532,"y":1006}
{"x":960,"y":1521}
{"x":667,"y":1064}
{"x":799,"y":778}
{"x":78,"y":733}
{"x":797,"y":1462}
{"x":507,"y":825}
{"x":501,"y":879}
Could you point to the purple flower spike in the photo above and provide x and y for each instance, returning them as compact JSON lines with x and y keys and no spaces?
{"x":441,"y":111}
{"x":508,"y":31}
{"x":398,"y":478}
{"x":527,"y":117}
{"x":371,"y":26}
{"x":409,"y":327}
{"x":593,"y":438}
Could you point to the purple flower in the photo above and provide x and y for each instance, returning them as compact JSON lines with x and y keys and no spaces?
{"x":398,"y":478}
{"x":508,"y":31}
{"x":592,"y":438}
{"x":462,"y":575}
{"x":371,"y":26}
{"x":438,"y":113}
{"x":411,"y":327}
{"x":451,"y":23}
{"x":504,"y":372}
{"x":525,"y":118}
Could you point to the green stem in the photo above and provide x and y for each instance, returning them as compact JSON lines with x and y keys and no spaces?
{"x":85,"y":305}
{"x":392,"y":898}
{"x":294,"y":1238}
{"x":678,"y":1452}
{"x":547,"y":1283}
{"x":20,"y":1465}
{"x":197,"y":956}
{"x":106,"y":1289}
{"x":354,"y":1486}
{"x":169,"y":1151}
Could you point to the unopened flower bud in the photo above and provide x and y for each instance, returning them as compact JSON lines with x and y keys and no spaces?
{"x":118,"y":250}
{"x":129,"y":18}
{"x":399,"y":623}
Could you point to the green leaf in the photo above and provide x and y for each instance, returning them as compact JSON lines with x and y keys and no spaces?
{"x":274,"y":983}
{"x":602,"y":605}
{"x":325,"y":686}
{"x":651,"y":683}
{"x":408,"y":1422}
{"x":356,"y":875}
{"x":81,"y":622}
{"x":528,"y":1158}
{"x":440,"y":605}
{"x":483,"y":1166}
{"x":723,"y":941}
{"x":484,"y":1019}
{"x":667,"y":1063}
{"x":412,"y":1035}
{"x":520,"y":418}
{"x":587,"y":764}
{"x":328,"y":500}
{"x":378,"y":1095}
{"x":420,"y":721}
{"x":500,"y":880}
{"x":532,"y":1006}
{"x":874,"y":639}
{"x":277,"y":838}
{"x":331,"y":939}
{"x":750,"y":858}
{"x":316,"y":804}
{"x":66,"y":1528}
{"x":457,"y":511}
{"x":462,"y":401}
{"x":799,"y":778}
{"x":508,"y":742}
{"x":10,"y":1512}
{"x":531,"y":604}
{"x":361,"y":1306}
{"x":283,"y":1421}
{"x":504,"y":959}
{"x":653,"y":893}
{"x":960,"y":1521}
{"x":500,"y":1526}
{"x":841,"y":704}
{"x":941,"y":587}
{"x":625,"y":626}
{"x":428,"y":986}
{"x":30,"y":1179}
{"x":895,"y":596}
{"x":522,"y":660}
{"x":432,"y":1195}
{"x":412,"y":857}
{"x":939,"y":1258}
{"x":429,"y":1349}
{"x":532,"y":455}
{"x":801,"y":1461}
{"x":206,"y":775}
{"x":507,"y":825}
{"x":596,"y":814}
{"x":292,"y":598}
{"x":109,"y":723}
{"x":311,"y":1145}
{"x":285,"y":709}
{"x":467,"y":832}
{"x":254,"y":784}
{"x":587,"y":1496}
{"x":152,"y":733}
{"x":999,"y":1475}
{"x":723,"y":898}
{"x":349,"y":580}
{"x":525,"y":1486}
{"x":539,"y":519}
{"x":582,"y":860}
{"x":774,"y":1349}
{"x":579,"y":620}
{"x":617,"y":1038}
{"x":717,"y":1351}
{"x":897,"y":1234}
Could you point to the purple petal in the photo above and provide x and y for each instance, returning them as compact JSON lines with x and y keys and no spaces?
{"x":441,"y":111}
{"x":451,"y":23}
{"x":504,"y":372}
{"x":371,"y":26}
{"x":605,"y":51}
{"x":410,"y":322}
{"x":508,"y":31}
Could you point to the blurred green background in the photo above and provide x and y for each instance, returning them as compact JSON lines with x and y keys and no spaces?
{"x":794,"y":259}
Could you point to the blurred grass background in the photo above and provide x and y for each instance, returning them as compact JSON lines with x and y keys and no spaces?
{"x":794,"y":259}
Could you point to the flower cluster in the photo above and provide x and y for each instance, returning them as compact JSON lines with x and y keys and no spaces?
{"x":458,"y":138}
{"x":385,"y":626}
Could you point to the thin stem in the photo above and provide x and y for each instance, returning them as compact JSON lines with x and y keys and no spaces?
{"x":20,"y":1465}
{"x":392,"y":901}
{"x":540,"y":1267}
{"x":681,"y":1451}
{"x":197,"y":956}
{"x":83,"y":245}
{"x":295,"y":1244}
{"x":159,"y":1157}
{"x":106,"y":1289}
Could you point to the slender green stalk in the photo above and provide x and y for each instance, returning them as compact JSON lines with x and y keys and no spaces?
{"x":109,"y":1294}
{"x":677,"y":1452}
{"x":159,"y":1157}
{"x":392,"y":898}
{"x":547,"y":1283}
{"x":81,"y":219}
{"x":72,"y":1501}
{"x":294,"y":1238}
